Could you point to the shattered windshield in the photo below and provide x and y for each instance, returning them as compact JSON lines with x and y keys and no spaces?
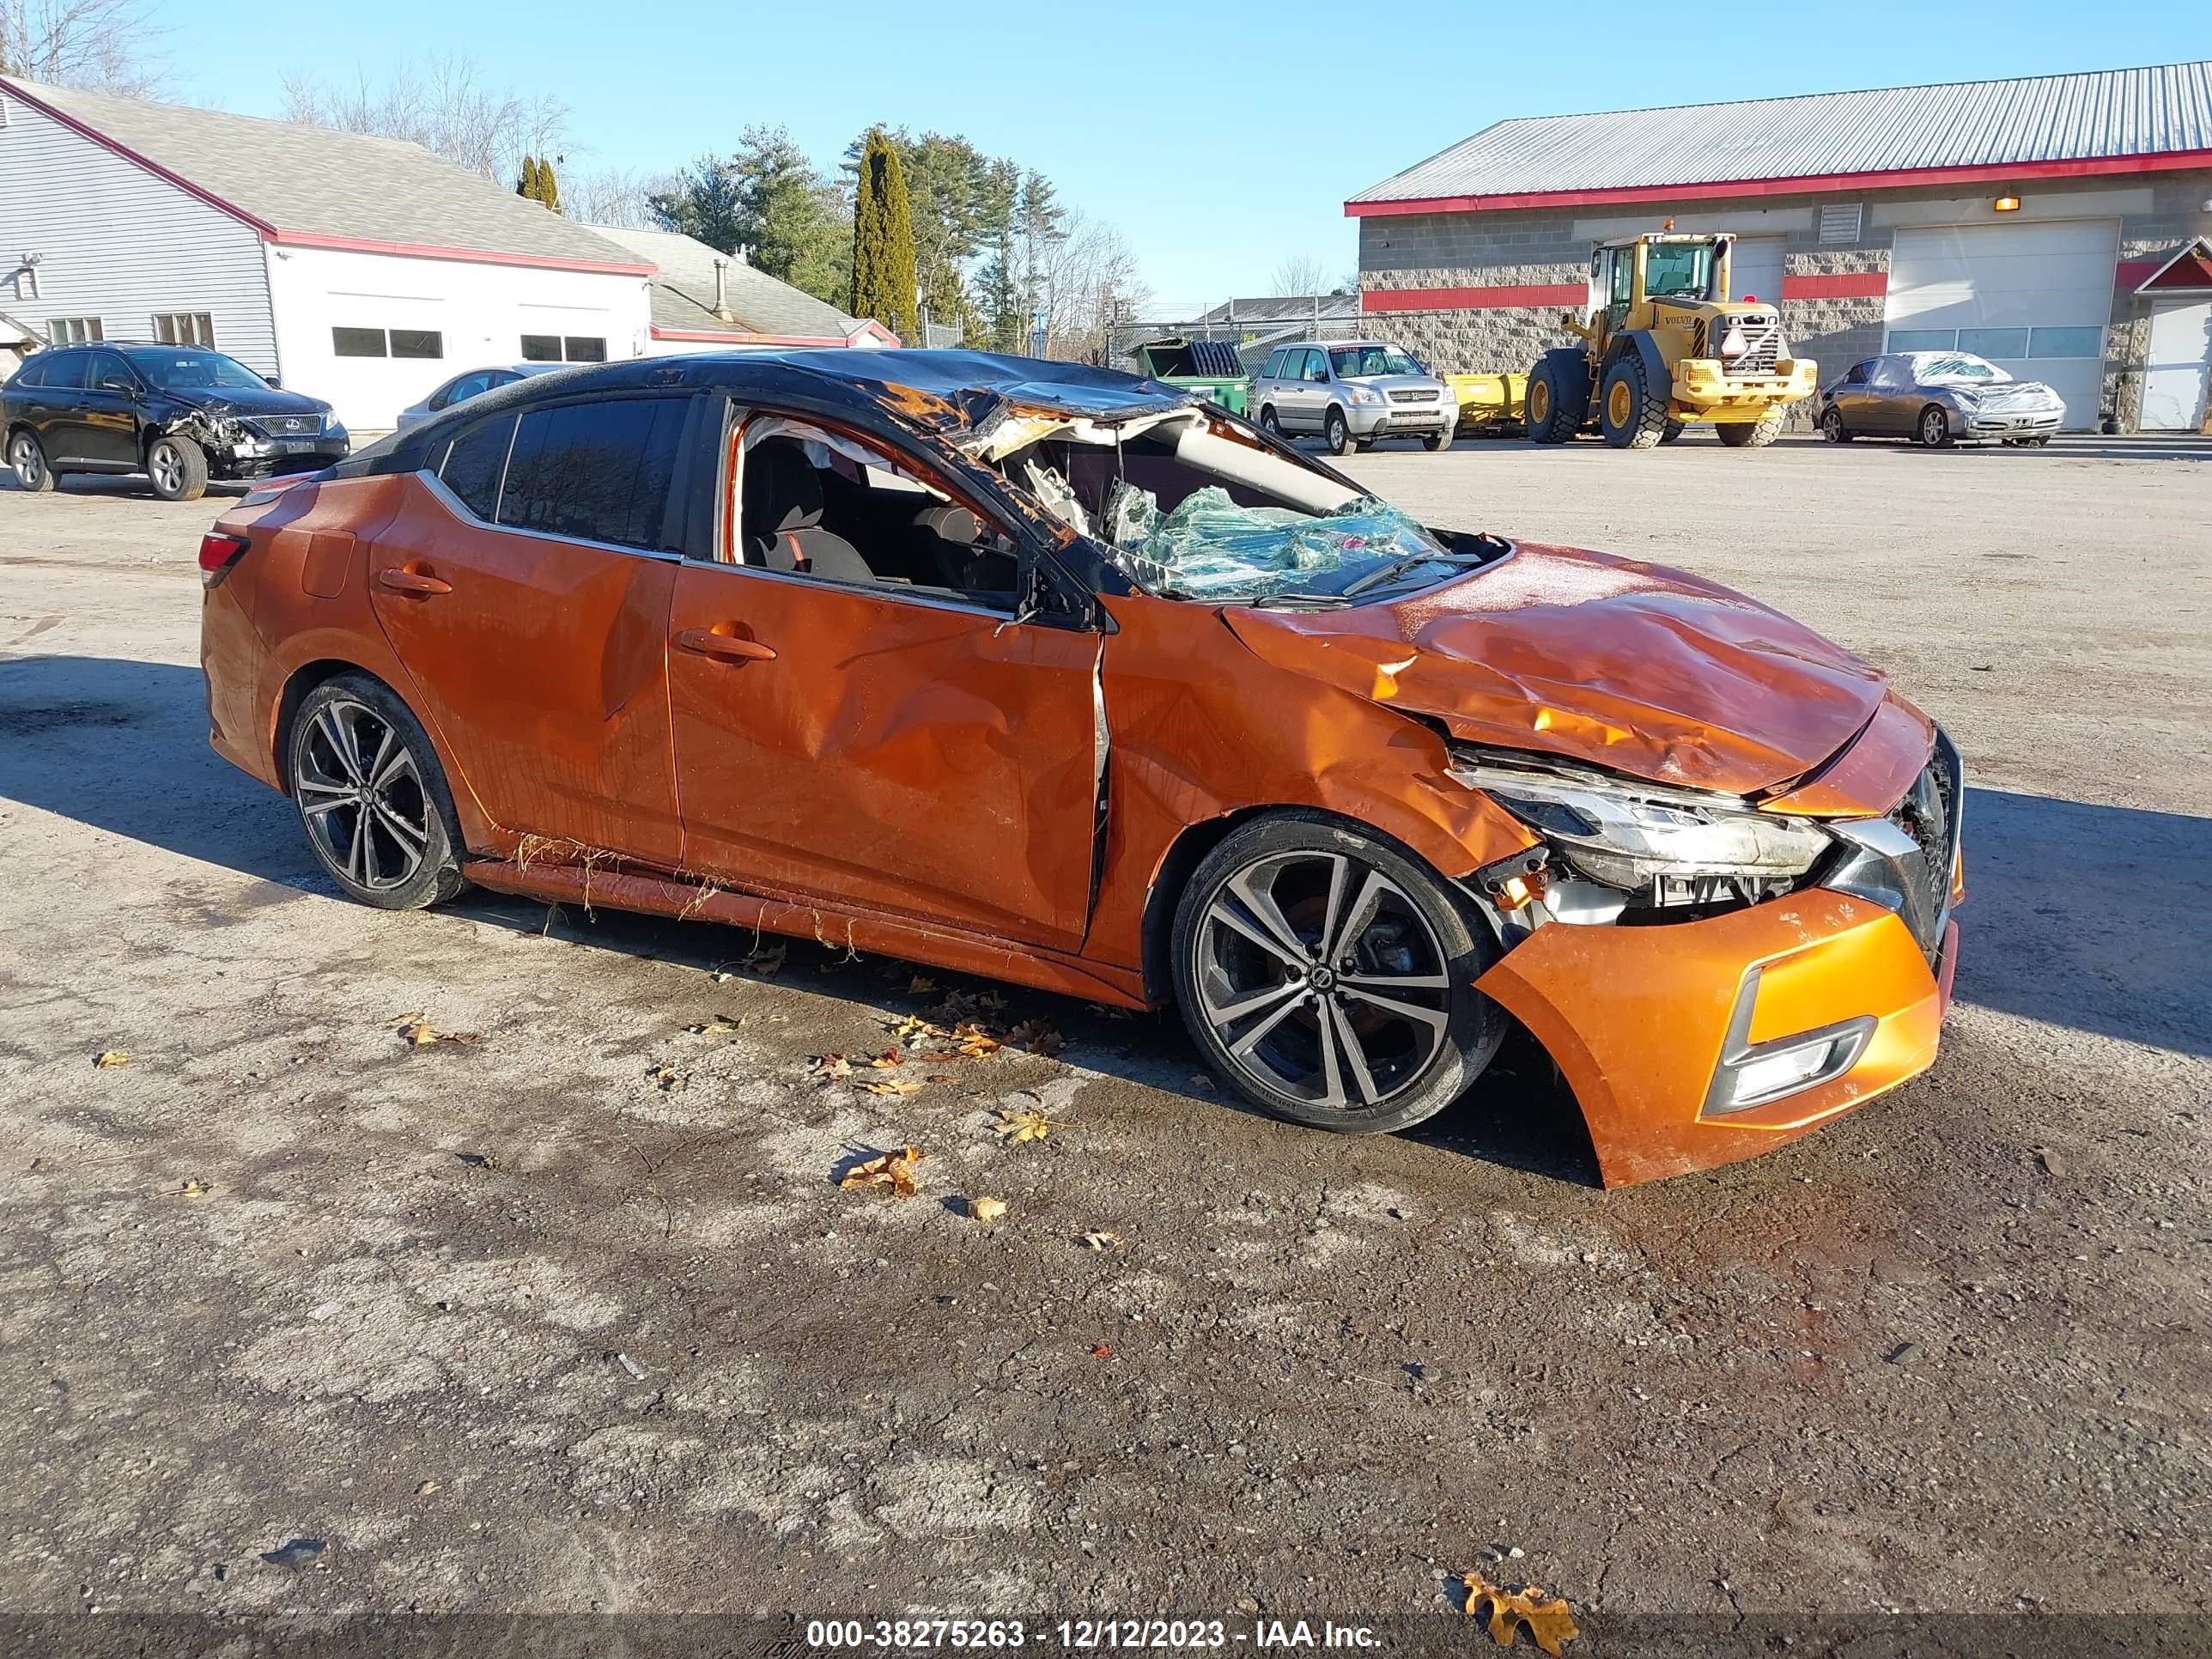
{"x":1352,"y":361}
{"x":1194,"y":506}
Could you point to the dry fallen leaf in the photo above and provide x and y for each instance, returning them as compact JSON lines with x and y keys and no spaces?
{"x":1036,"y":1037}
{"x":195,"y":1189}
{"x":1102,"y":1350}
{"x":1549,"y":1623}
{"x":1099,"y":1241}
{"x":920,"y":985}
{"x":426,"y":1489}
{"x":417,"y":1032}
{"x":940,"y":1077}
{"x":986,"y":1209}
{"x":907,"y":1027}
{"x":832,"y":1068}
{"x":893,"y":1171}
{"x":889,"y":1058}
{"x":770,"y":961}
{"x":108,"y":1060}
{"x":716,"y":1026}
{"x":1014,"y":1128}
{"x":891,"y":1086}
{"x":666,"y":1076}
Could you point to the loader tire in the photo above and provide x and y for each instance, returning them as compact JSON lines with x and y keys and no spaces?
{"x":1752,"y":434}
{"x":1549,"y":412}
{"x":1630,"y":413}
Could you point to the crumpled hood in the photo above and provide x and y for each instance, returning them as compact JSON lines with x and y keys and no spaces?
{"x":248,"y":401}
{"x":1631,"y":666}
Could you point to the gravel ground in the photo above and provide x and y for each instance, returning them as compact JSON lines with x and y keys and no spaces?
{"x":573,"y":1316}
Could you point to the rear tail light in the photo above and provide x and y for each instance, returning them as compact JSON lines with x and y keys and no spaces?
{"x":218,"y":553}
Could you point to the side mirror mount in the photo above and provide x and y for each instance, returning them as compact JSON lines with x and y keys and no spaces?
{"x":272,"y":381}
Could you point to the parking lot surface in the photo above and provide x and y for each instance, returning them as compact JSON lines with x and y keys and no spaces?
{"x":573,"y":1317}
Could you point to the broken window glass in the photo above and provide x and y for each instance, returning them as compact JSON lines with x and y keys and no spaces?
{"x":1210,"y":548}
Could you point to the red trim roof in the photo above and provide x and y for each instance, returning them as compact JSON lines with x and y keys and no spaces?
{"x":2007,"y":174}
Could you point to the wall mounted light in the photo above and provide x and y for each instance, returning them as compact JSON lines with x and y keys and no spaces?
{"x":2007,"y":204}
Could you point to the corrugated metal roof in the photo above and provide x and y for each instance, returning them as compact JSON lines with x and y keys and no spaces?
{"x":683,"y":291}
{"x":292,"y":177}
{"x":2049,"y":118}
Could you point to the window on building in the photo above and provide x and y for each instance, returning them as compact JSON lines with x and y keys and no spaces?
{"x":75,"y":330}
{"x":475,"y":463}
{"x":417,"y":343}
{"x":1840,"y":221}
{"x":564,"y":348}
{"x":184,"y":328}
{"x":357,"y":342}
{"x":597,"y":472}
{"x":1994,"y":342}
{"x":1924,"y":339}
{"x":2087,"y":342}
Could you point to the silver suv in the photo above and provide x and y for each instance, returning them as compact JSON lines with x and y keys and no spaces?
{"x":1351,"y":392}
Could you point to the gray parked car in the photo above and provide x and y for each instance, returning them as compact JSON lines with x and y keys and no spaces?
{"x":1938,"y":398}
{"x":1352,"y":392}
{"x":473,"y":384}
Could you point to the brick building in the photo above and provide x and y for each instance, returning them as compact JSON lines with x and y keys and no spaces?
{"x":2059,"y":226}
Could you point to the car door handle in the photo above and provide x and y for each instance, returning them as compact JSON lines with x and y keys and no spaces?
{"x":411,"y":581}
{"x":728,"y":647}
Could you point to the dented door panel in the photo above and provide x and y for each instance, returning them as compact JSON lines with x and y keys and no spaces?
{"x":541,"y":667}
{"x":930,"y":760}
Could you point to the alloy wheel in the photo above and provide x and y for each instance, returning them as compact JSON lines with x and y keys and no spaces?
{"x":1322,"y":980}
{"x":30,"y":465}
{"x":362,"y":795}
{"x":166,"y":466}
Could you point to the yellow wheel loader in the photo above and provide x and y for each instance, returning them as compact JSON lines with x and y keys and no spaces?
{"x":1667,"y":346}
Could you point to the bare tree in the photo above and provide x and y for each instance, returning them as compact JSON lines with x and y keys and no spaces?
{"x":449,"y":109}
{"x":1300,"y":273}
{"x":1087,"y":282}
{"x":617,"y":198}
{"x":105,"y":44}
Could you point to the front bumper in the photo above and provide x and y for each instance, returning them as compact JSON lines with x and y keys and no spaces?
{"x":1394,"y":420}
{"x":1640,"y":1020}
{"x":1702,"y":386}
{"x":2013,"y":423}
{"x":254,"y":457}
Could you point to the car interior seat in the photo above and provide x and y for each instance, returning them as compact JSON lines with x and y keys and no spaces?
{"x":783,"y":516}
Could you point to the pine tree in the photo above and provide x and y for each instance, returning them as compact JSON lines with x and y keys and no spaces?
{"x":526,"y":185}
{"x":883,"y":240}
{"x":548,"y":185}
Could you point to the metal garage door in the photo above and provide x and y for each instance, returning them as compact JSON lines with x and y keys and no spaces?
{"x":2032,"y":299}
{"x":1755,"y":268}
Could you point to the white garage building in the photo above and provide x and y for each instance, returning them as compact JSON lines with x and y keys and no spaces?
{"x":360,"y":270}
{"x":2055,"y":225}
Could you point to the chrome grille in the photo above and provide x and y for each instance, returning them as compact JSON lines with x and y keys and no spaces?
{"x":1413,"y":397}
{"x":1762,"y":337}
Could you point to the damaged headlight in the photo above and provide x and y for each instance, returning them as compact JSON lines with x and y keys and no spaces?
{"x":1660,"y":846}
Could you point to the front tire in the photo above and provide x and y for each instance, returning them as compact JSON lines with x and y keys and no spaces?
{"x":1934,"y":428}
{"x":176,"y":468}
{"x":1327,"y":974}
{"x":1338,"y":432}
{"x":26,"y":459}
{"x":1752,"y":434}
{"x":372,"y":797}
{"x":1437,"y":441}
{"x":1553,"y":405}
{"x":1268,"y":423}
{"x":1833,"y":430}
{"x":1630,"y":413}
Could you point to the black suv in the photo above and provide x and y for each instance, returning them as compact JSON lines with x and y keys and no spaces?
{"x":181,"y":415}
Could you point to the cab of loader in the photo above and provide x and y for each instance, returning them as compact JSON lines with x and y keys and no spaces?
{"x":1664,"y":345}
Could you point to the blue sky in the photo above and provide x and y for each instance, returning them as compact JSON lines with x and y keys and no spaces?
{"x":1218,"y":137}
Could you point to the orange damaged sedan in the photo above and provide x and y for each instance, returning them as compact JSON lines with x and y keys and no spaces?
{"x":1055,"y":675}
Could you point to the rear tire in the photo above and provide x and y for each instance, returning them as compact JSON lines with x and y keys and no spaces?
{"x":1630,"y":413}
{"x":1337,"y":431}
{"x":26,"y":459}
{"x":1934,"y":427}
{"x":370,"y":796}
{"x":1269,"y":999}
{"x":1833,"y":430}
{"x":1753,"y":435}
{"x":176,"y":468}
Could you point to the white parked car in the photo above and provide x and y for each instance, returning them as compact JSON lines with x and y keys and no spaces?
{"x":474,"y":383}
